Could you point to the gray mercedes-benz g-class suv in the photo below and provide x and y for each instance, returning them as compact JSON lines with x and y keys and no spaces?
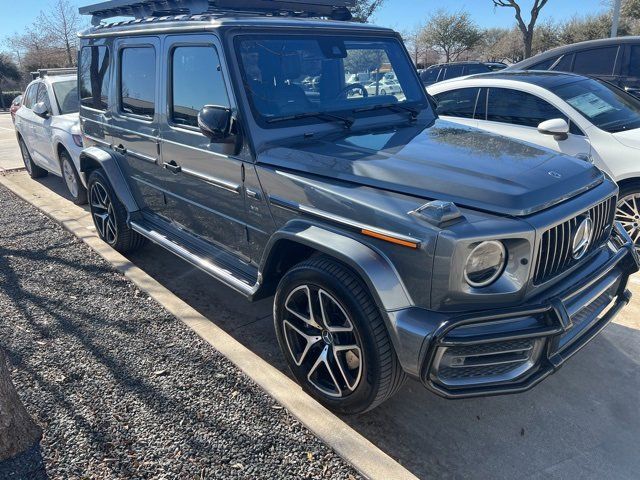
{"x":395,"y":244}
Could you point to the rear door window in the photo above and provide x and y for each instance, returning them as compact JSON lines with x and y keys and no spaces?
{"x":599,"y":61}
{"x":479,"y":68}
{"x":430,"y":76}
{"x":94,"y":73}
{"x":634,"y":61}
{"x":457,"y":103}
{"x":519,"y":108}
{"x":138,"y":81}
{"x":196,"y":81}
{"x":453,"y":71}
{"x":565,"y":64}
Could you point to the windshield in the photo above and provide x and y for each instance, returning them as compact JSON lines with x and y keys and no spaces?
{"x":604,"y":105}
{"x":287,"y":77}
{"x":66,"y":93}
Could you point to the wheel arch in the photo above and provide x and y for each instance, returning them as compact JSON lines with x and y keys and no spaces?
{"x":93,"y":158}
{"x":300,"y":240}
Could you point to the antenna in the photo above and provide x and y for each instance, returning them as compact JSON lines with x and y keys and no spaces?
{"x":139,"y":9}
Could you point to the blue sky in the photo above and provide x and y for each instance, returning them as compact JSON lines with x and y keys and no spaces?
{"x":398,"y":14}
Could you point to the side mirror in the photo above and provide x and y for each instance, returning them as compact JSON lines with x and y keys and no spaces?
{"x":41,"y":110}
{"x":558,"y":127}
{"x":216,"y":123}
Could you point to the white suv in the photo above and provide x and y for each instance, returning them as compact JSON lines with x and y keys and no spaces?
{"x":48,"y":129}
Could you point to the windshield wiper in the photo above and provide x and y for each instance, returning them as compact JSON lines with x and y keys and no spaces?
{"x":327,"y":117}
{"x":414,"y":112}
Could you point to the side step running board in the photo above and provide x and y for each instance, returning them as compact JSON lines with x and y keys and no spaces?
{"x":206,"y":265}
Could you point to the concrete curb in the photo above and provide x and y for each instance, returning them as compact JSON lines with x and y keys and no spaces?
{"x":365,"y":457}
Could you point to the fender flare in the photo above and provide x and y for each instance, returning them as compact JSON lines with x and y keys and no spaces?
{"x":108,"y":162}
{"x":373,"y":267}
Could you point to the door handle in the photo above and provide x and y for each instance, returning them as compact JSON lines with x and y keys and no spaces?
{"x":120,"y":149}
{"x":172,"y":166}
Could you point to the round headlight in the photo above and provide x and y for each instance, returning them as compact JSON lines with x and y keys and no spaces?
{"x":485,"y":264}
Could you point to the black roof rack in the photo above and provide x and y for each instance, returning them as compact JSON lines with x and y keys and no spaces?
{"x":41,"y":72}
{"x":333,"y":9}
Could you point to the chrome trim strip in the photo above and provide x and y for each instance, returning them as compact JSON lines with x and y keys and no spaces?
{"x":287,"y":205}
{"x":208,"y":267}
{"x":97,"y":140}
{"x":142,"y":156}
{"x":203,"y":150}
{"x":126,"y":130}
{"x":214,"y":181}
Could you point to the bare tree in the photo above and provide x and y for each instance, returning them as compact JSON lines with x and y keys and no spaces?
{"x":527,"y":29}
{"x":62,"y":23}
{"x":365,"y":9}
{"x":451,"y":34}
{"x":18,"y":432}
{"x":418,"y":49}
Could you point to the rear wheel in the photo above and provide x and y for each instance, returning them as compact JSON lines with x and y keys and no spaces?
{"x":333,"y":337}
{"x":628,"y":210}
{"x":72,"y":179}
{"x":33,"y":170}
{"x":110,"y":216}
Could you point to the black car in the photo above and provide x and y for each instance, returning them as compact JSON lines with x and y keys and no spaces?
{"x":616,"y":60}
{"x":447,"y":71}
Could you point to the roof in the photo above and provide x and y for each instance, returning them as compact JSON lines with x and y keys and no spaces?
{"x":141,"y":9}
{"x":571,"y":48}
{"x":184,"y":23}
{"x":541,"y":78}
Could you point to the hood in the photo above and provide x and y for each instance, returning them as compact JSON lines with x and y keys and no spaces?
{"x":445,"y":161}
{"x":69,"y":122}
{"x":630,"y":138}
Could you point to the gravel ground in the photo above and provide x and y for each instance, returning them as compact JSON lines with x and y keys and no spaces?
{"x":121,"y":388}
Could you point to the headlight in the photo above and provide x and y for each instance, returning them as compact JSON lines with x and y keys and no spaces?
{"x":485,"y":264}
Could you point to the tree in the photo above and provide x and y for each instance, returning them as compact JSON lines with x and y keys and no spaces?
{"x":418,"y":49}
{"x":593,"y":27}
{"x":451,"y":34}
{"x":527,"y":29}
{"x":8,"y":71}
{"x":364,"y":9}
{"x":18,"y":432}
{"x":62,"y":23}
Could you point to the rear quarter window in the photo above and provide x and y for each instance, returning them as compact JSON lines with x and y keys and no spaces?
{"x":94,"y":72}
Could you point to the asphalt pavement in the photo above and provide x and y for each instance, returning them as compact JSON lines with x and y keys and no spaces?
{"x":583,"y":422}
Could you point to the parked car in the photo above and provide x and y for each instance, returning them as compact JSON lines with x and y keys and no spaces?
{"x":48,"y":129}
{"x":572,"y":114}
{"x":447,"y":71}
{"x":496,"y":66}
{"x":384,"y":87}
{"x":616,"y":60}
{"x":15,"y":105}
{"x":395,"y":243}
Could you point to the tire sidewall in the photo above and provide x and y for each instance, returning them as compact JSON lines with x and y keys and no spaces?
{"x":98,"y":177}
{"x":81,"y":197}
{"x":26,"y":157}
{"x":369,"y":384}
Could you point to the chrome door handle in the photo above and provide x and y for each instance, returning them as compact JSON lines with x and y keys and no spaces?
{"x":253,"y":194}
{"x":172,"y":166}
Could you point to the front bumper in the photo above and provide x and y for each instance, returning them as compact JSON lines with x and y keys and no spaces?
{"x":511,"y":350}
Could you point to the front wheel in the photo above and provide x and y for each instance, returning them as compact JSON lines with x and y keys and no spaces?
{"x":333,"y":337}
{"x":628,"y":210}
{"x":110,"y":216}
{"x":72,"y":179}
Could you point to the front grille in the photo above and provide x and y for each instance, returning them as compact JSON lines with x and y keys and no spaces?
{"x":486,"y":363}
{"x":556,"y":247}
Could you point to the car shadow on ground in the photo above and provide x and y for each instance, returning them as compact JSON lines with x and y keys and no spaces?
{"x":583,"y":421}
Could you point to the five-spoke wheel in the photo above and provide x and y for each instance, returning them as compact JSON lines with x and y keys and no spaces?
{"x":110,"y":216}
{"x":321,"y":338}
{"x":333,"y":337}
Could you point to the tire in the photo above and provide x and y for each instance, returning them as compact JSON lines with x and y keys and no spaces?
{"x":33,"y":170}
{"x":72,"y":179}
{"x":109,"y":215}
{"x":628,"y":209}
{"x":316,"y":346}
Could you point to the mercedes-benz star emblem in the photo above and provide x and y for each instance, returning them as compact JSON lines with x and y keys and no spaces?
{"x":582,"y":238}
